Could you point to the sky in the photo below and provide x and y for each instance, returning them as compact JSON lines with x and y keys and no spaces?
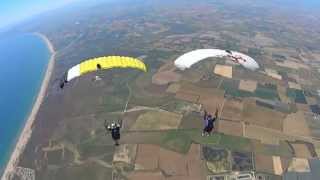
{"x":14,"y":11}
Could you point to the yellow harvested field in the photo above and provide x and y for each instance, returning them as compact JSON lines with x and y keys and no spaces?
{"x":294,"y":85}
{"x":248,"y":85}
{"x":125,"y":153}
{"x":147,"y":157}
{"x":277,"y":165}
{"x":299,"y":165}
{"x":230,"y":127}
{"x":273,"y":73}
{"x":223,"y":70}
{"x":296,"y":125}
{"x":173,"y":88}
{"x":301,"y":151}
{"x":157,"y":120}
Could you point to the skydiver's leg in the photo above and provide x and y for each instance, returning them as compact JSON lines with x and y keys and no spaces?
{"x":204,"y":131}
{"x":116,"y":142}
{"x":61,"y":85}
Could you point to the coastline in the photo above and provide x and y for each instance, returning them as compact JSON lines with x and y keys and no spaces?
{"x":27,"y":129}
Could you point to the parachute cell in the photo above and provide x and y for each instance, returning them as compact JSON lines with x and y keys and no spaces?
{"x":104,"y":63}
{"x":188,"y":59}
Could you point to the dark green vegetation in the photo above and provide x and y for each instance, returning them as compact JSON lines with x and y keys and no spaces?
{"x":231,"y":88}
{"x":180,"y":140}
{"x":218,"y":160}
{"x":267,"y":91}
{"x":211,"y":154}
{"x":242,"y":161}
{"x":296,"y":95}
{"x":225,"y":160}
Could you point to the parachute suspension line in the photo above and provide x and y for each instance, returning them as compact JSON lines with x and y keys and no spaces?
{"x":129,"y":97}
{"x":126,"y":106}
{"x":220,"y":83}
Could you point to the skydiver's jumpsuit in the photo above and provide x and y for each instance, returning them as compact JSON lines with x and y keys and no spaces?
{"x":209,"y":124}
{"x":115,"y":134}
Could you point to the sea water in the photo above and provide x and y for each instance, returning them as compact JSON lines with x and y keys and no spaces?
{"x":23,"y":62}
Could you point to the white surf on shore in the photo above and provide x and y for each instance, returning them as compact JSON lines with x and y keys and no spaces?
{"x":27,"y":130}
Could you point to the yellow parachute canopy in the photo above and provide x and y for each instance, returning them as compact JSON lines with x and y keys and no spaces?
{"x":107,"y":62}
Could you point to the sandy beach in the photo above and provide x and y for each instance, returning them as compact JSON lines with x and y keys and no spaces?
{"x":27,"y":130}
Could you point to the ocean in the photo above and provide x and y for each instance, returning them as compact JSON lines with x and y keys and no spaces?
{"x":23,"y":62}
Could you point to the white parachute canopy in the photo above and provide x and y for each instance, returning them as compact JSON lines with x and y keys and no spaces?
{"x":188,"y":59}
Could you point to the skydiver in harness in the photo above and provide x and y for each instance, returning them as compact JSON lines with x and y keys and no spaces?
{"x":114,"y":129}
{"x":63,"y":80}
{"x":209,"y":123}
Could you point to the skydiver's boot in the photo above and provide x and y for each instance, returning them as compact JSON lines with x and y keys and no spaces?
{"x":116,"y":143}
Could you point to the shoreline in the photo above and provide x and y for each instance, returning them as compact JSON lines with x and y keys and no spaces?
{"x":27,"y":129}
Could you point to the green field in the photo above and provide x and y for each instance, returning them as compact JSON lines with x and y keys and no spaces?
{"x":296,"y":95}
{"x":267,"y":91}
{"x":157,"y":120}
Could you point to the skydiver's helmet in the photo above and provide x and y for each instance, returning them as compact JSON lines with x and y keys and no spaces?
{"x":112,"y":126}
